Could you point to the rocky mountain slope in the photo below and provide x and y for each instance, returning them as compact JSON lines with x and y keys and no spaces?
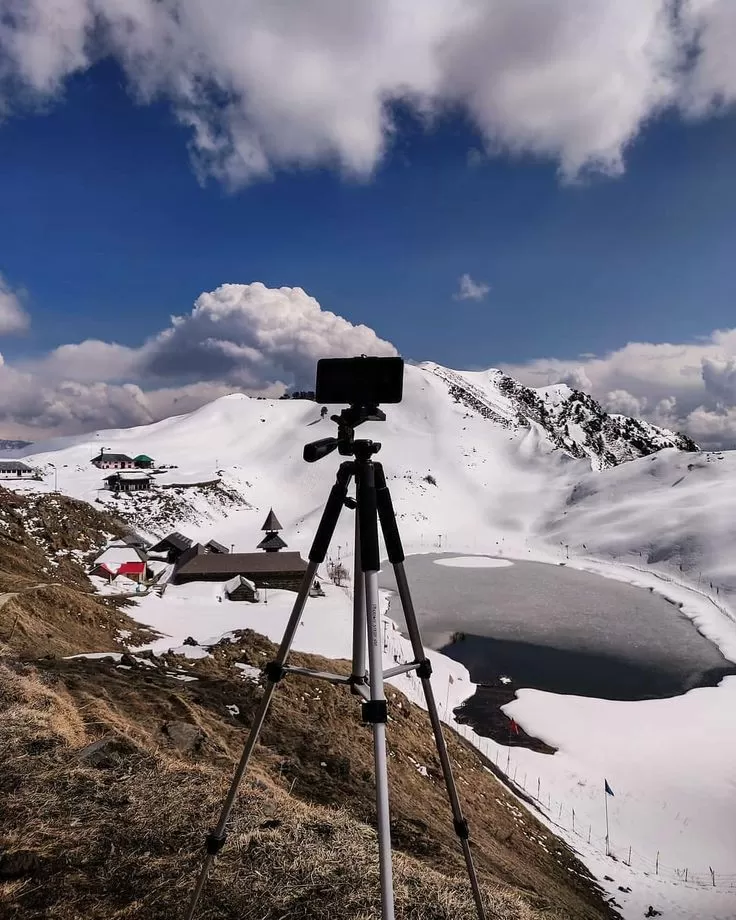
{"x":572,"y":421}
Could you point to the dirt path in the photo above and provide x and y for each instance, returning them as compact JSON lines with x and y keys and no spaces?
{"x":4,"y":598}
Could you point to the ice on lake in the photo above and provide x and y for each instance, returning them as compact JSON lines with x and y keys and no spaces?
{"x":557,"y":628}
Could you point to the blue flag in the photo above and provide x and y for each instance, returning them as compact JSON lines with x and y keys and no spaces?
{"x":609,"y":791}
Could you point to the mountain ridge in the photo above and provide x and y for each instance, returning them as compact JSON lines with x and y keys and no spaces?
{"x":573,"y":420}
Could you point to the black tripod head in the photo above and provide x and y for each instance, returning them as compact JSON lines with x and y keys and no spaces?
{"x":345,"y":443}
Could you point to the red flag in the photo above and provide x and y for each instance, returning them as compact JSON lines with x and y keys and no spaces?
{"x":513,"y":727}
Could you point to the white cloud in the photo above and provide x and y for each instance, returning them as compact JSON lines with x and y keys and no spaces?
{"x":239,"y":337}
{"x":249,"y":338}
{"x":689,"y":386}
{"x":87,"y":362}
{"x":470,"y":290}
{"x":13,"y":318}
{"x":254,"y":336}
{"x":266,"y":84}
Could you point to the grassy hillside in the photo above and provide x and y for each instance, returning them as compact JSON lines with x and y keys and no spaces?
{"x":115,"y":769}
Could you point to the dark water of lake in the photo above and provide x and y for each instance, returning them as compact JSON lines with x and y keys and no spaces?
{"x":555,"y":628}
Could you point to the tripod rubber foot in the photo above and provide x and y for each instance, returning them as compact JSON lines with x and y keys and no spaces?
{"x":375,"y":711}
{"x":213,"y":843}
{"x":461,"y":828}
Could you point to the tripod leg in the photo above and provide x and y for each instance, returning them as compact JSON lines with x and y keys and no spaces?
{"x":396,"y":556}
{"x":374,"y":710}
{"x":215,"y":840}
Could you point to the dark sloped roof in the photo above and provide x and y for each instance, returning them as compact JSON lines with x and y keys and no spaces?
{"x":13,"y":466}
{"x":191,"y":552}
{"x":271,"y":522}
{"x":272,"y":541}
{"x":117,"y":458}
{"x":176,"y":540}
{"x":232,"y":564}
{"x":144,"y":457}
{"x":215,"y":547}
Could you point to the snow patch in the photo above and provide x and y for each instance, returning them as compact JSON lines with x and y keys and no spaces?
{"x":474,"y":562}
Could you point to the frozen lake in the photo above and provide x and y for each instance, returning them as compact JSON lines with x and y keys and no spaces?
{"x":555,"y":628}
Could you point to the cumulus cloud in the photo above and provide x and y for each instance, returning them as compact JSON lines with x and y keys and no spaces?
{"x":689,"y":386}
{"x":255,"y":336}
{"x":239,"y":337}
{"x":13,"y":318}
{"x":470,"y":290}
{"x":265,"y":84}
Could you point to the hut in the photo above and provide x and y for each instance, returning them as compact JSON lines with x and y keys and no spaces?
{"x":171,"y":546}
{"x":143,"y":462}
{"x":241,"y":589}
{"x":121,"y":559}
{"x":128,"y":482}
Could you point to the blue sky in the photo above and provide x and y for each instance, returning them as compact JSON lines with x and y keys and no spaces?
{"x":573,"y":162}
{"x":109,"y":231}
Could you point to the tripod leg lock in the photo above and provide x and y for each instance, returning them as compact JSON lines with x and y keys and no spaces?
{"x":274,"y":671}
{"x":424,"y":669}
{"x":214,"y":843}
{"x":375,"y":711}
{"x":461,"y":828}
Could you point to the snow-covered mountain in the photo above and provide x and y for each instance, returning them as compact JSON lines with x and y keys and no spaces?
{"x":502,"y":455}
{"x":572,"y":420}
{"x":10,"y":444}
{"x":475,"y":459}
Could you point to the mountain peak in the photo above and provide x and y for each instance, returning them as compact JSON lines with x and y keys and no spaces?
{"x":569,"y":419}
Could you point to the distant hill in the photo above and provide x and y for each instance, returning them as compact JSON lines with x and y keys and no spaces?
{"x":10,"y":444}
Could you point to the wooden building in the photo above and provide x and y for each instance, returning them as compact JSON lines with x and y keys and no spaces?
{"x":124,"y":481}
{"x":241,"y":589}
{"x":171,"y":546}
{"x":265,"y":570}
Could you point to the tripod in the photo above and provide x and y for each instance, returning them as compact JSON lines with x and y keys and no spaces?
{"x":372,"y":503}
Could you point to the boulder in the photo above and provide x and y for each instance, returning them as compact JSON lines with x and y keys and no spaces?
{"x":184,"y":736}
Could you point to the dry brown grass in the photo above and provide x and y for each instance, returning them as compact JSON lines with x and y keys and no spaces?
{"x":117,"y":832}
{"x":315,"y":748}
{"x":43,"y":540}
{"x":121,"y":838}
